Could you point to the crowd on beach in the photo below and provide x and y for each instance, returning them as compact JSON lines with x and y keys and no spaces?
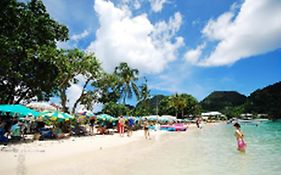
{"x":16,"y":129}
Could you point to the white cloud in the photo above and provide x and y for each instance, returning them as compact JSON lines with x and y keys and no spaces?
{"x":193,"y":55}
{"x":137,"y":4}
{"x":122,"y":37}
{"x":74,"y":91}
{"x":80,"y":36}
{"x":157,"y":5}
{"x":74,"y":40}
{"x":256,"y":29}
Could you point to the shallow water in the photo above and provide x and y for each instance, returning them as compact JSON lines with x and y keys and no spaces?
{"x":212,"y":151}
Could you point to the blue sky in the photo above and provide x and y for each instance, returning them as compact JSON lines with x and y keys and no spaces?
{"x":182,"y":46}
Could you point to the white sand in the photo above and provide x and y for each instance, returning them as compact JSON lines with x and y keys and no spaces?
{"x":77,"y":155}
{"x":44,"y":157}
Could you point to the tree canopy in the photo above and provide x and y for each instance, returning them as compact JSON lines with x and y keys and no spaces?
{"x":127,"y":77}
{"x":28,"y":37}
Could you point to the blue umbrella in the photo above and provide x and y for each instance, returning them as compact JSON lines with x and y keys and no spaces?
{"x":19,"y":109}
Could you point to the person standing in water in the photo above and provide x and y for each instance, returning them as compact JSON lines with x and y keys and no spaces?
{"x":241,"y":145}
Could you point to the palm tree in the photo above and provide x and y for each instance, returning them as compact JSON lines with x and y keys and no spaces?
{"x":177,"y":102}
{"x":144,"y":92}
{"x":128,"y":78}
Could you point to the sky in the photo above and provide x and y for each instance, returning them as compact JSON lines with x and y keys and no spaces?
{"x":180,"y":46}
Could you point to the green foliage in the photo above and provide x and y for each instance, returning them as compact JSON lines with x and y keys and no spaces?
{"x":73,"y":63}
{"x":234,"y":111}
{"x":266,"y":101}
{"x":219,"y":100}
{"x":127,"y":78}
{"x":116,"y":109}
{"x":183,"y":104}
{"x":28,"y":39}
{"x":108,"y":87}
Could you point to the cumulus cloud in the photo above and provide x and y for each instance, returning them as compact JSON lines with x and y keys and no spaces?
{"x":122,"y":37}
{"x":254,"y":30}
{"x":157,"y":5}
{"x":193,"y":55}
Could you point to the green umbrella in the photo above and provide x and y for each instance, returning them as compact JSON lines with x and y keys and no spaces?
{"x":105,"y":117}
{"x":57,"y":115}
{"x":19,"y":109}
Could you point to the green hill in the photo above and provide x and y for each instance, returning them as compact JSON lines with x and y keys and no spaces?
{"x":266,"y":101}
{"x":220,"y":100}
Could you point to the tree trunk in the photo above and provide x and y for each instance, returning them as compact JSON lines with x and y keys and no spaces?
{"x":63,"y":99}
{"x":124,"y":99}
{"x":79,"y":99}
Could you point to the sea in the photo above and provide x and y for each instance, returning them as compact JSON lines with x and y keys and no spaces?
{"x":211,"y":150}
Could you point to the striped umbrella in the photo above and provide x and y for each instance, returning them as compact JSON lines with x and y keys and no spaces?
{"x":57,"y":115}
{"x":105,"y":117}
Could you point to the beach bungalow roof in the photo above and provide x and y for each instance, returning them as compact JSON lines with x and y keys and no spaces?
{"x":246,"y":115}
{"x":211,"y":113}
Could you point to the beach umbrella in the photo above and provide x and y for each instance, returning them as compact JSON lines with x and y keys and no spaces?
{"x":57,"y":115}
{"x":88,"y":114}
{"x":41,"y":106}
{"x":152,"y":117}
{"x":19,"y":109}
{"x":167,"y":118}
{"x":106,"y":117}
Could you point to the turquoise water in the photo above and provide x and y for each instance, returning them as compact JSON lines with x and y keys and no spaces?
{"x":212,"y":151}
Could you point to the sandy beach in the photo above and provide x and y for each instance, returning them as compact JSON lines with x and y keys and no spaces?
{"x":75,"y":155}
{"x":210,"y":150}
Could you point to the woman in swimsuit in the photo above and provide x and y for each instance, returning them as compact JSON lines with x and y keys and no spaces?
{"x":241,"y":145}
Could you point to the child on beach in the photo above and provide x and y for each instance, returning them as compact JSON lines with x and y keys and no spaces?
{"x":241,"y":145}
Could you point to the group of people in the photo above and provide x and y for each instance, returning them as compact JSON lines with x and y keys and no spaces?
{"x":11,"y":128}
{"x":129,"y":126}
{"x":123,"y":124}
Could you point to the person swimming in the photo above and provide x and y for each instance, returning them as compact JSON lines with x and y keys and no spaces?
{"x":241,"y":145}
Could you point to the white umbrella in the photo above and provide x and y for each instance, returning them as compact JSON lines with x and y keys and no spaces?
{"x":167,"y":118}
{"x":41,"y":106}
{"x":152,"y":117}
